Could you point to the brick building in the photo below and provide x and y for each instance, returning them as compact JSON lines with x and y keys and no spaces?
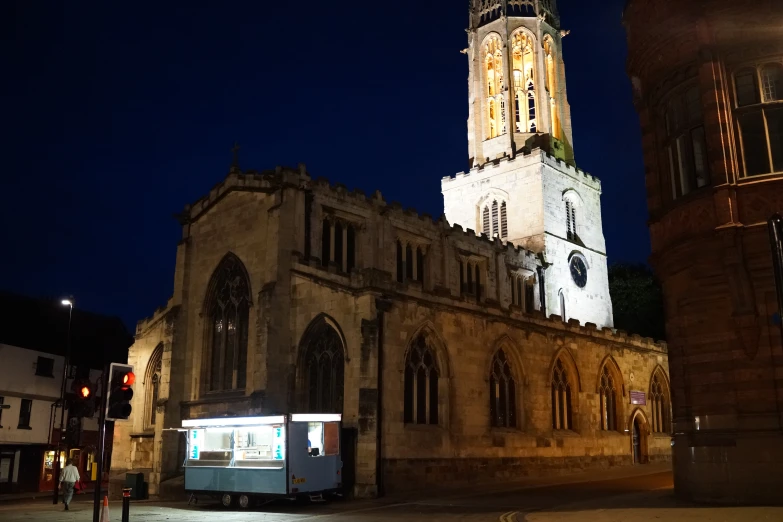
{"x":708,"y":84}
{"x":440,"y":341}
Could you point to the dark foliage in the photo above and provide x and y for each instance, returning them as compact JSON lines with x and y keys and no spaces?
{"x":637,"y":299}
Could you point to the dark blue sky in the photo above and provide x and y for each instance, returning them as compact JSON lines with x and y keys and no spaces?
{"x":117,"y":114}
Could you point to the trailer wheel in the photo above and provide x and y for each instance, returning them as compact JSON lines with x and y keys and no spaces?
{"x":226,"y":500}
{"x":244,"y":501}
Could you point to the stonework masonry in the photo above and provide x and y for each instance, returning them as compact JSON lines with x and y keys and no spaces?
{"x":260,"y":219}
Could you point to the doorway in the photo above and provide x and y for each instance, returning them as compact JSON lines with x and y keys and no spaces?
{"x":639,"y":440}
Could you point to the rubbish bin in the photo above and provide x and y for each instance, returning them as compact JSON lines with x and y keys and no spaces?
{"x":135,"y":481}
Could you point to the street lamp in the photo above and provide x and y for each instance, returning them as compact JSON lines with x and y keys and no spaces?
{"x":66,"y":362}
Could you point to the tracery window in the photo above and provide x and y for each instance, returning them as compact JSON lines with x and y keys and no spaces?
{"x":494,"y":221}
{"x":759,"y":114}
{"x":410,"y":261}
{"x":523,"y":60}
{"x":152,"y":387}
{"x":561,"y":398}
{"x":502,"y":393}
{"x":421,"y":384}
{"x":494,"y":82}
{"x":660,"y":405}
{"x":685,"y":145}
{"x":324,"y":366}
{"x":228,"y":314}
{"x":607,"y":396}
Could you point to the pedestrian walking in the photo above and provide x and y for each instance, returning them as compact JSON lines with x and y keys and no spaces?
{"x":68,"y":479}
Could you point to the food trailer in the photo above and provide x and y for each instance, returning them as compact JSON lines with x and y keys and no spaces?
{"x":240,"y":459}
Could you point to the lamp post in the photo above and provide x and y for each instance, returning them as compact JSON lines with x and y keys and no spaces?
{"x":776,"y":242}
{"x":66,"y":362}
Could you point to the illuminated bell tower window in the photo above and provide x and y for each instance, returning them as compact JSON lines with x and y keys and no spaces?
{"x":523,"y":61}
{"x":493,"y":69}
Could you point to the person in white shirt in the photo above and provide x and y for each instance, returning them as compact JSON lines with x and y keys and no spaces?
{"x":68,"y":478}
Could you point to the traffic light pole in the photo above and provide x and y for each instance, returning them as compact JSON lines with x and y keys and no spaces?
{"x":96,"y":507}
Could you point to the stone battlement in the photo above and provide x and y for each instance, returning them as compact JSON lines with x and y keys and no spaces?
{"x":524,"y":160}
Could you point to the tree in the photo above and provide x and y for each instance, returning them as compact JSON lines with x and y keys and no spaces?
{"x":637,"y":300}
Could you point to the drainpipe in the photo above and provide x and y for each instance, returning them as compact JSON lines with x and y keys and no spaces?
{"x":382,"y":305}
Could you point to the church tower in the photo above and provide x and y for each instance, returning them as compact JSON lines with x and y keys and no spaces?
{"x":523,"y":186}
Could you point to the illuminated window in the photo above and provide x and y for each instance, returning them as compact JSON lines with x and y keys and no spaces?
{"x":494,"y":81}
{"x":228,"y":305}
{"x":570,"y":215}
{"x":421,"y":384}
{"x":685,"y":145}
{"x":523,"y":61}
{"x":759,"y":114}
{"x":561,"y":398}
{"x":502,"y":393}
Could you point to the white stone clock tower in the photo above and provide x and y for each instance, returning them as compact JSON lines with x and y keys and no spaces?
{"x":523,"y":186}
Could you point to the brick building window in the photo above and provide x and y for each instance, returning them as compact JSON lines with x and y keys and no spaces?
{"x":561,"y":398}
{"x":684,"y":144}
{"x":502,"y":393}
{"x":494,"y":222}
{"x":152,"y":387}
{"x":421,"y":384}
{"x":338,"y":244}
{"x":660,"y":404}
{"x":410,"y":262}
{"x":759,"y":115}
{"x":607,"y":398}
{"x":228,"y":304}
{"x":470,"y":279}
{"x":25,"y":411}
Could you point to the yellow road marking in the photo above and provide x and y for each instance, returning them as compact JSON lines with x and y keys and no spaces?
{"x":508,"y":517}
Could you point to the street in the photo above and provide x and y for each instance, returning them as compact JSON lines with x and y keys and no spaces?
{"x":624,"y":494}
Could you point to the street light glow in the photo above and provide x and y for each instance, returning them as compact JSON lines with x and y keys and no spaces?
{"x":66,"y":302}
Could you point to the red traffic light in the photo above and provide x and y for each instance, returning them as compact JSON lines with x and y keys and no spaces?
{"x":85,"y":392}
{"x":128,"y":379}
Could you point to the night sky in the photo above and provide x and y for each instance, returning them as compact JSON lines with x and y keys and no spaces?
{"x":117,"y":114}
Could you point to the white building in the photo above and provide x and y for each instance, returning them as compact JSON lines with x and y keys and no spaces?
{"x":522,"y":186}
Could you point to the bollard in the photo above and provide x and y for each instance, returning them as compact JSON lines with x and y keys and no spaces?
{"x":126,"y":504}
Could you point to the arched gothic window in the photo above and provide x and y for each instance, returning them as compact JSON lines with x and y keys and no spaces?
{"x":659,"y":405}
{"x":410,"y":261}
{"x":324,"y":370}
{"x":524,"y":77}
{"x":493,"y":70}
{"x":228,"y":314}
{"x":561,"y":398}
{"x":607,"y":393}
{"x":502,"y":393}
{"x":494,"y":221}
{"x":421,"y":384}
{"x":152,"y":387}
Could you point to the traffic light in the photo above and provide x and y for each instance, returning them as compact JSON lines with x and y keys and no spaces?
{"x":83,"y":402}
{"x":121,"y":379}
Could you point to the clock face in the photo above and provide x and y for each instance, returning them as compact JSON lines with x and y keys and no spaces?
{"x":578,"y":271}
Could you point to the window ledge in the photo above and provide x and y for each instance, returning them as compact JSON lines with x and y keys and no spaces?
{"x":497,"y":430}
{"x":24,"y":428}
{"x":44,"y":375}
{"x":565,"y":433}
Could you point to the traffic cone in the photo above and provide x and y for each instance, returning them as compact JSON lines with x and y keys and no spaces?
{"x":105,"y":510}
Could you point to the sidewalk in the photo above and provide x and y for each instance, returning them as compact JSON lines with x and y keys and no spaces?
{"x":38,"y":495}
{"x":656,"y":506}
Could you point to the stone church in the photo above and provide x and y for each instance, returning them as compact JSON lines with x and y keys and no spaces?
{"x":475,"y":346}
